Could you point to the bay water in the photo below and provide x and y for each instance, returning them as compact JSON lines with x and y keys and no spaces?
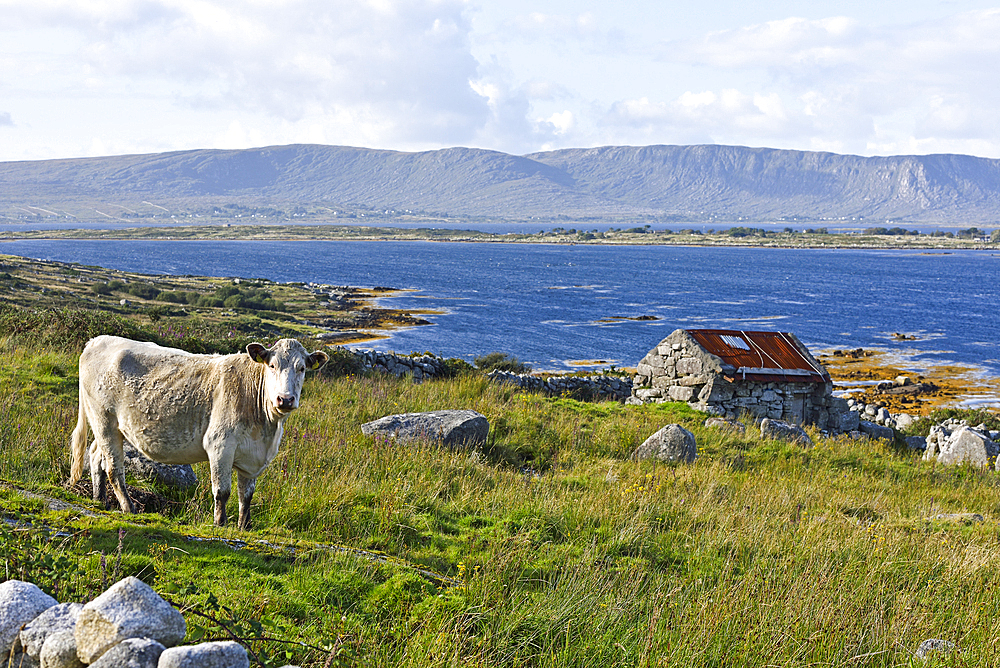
{"x":558,"y":307}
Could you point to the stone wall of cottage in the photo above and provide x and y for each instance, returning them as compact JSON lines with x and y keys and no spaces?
{"x":679,"y":369}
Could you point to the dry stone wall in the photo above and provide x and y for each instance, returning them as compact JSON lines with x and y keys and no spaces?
{"x":418,"y":366}
{"x":599,"y":387}
{"x":430,"y":366}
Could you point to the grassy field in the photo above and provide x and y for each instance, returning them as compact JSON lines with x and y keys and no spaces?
{"x":546,"y":548}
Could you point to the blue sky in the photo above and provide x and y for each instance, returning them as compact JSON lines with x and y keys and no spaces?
{"x":108,"y":77}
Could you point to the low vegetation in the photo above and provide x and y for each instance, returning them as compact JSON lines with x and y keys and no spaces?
{"x":547,"y":547}
{"x":218,"y":312}
{"x":805,"y":234}
{"x":500,"y":362}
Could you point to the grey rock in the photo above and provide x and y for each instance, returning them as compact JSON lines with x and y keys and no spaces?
{"x":651,"y":393}
{"x":224,"y":654}
{"x":128,"y":609}
{"x":450,"y":427}
{"x":672,"y":443}
{"x":58,"y":618}
{"x":782,"y":431}
{"x":966,"y":446}
{"x":131,"y":653}
{"x":726,"y":424}
{"x":20,"y":602}
{"x":873,"y":430}
{"x":180,"y":476}
{"x":933,"y":646}
{"x":844,"y":422}
{"x":681,"y":393}
{"x":916,"y":442}
{"x":59,"y":651}
{"x":904,"y":421}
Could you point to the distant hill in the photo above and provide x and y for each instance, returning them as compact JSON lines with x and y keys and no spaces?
{"x":696,"y":183}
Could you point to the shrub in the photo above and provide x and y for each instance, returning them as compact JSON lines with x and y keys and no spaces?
{"x":143,"y":290}
{"x":973,"y":416}
{"x":341,"y":363}
{"x":454,"y":367}
{"x":501,"y":361}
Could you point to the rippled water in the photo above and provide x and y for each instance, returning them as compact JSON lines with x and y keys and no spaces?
{"x":550,"y":305}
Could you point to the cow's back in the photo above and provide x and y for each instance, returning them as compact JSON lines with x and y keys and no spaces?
{"x":161,"y":398}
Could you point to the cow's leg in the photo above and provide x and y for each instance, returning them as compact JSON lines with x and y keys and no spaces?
{"x":98,"y":476}
{"x":246,"y":486}
{"x":220,"y":462}
{"x":111,"y":444}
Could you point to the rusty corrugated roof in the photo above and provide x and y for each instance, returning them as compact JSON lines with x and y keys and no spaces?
{"x":760,"y":356}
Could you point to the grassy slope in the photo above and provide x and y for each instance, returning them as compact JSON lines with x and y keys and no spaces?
{"x":759,"y":553}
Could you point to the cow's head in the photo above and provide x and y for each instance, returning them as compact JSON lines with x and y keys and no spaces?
{"x":285,"y":365}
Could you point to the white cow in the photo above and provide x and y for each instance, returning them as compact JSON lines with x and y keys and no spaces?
{"x":179,"y":408}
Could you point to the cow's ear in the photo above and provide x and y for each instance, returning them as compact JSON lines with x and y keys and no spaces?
{"x":258,"y":353}
{"x":316,"y":360}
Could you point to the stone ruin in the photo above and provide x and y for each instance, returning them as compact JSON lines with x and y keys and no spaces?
{"x":731,"y":373}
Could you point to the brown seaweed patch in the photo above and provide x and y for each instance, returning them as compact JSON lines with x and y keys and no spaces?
{"x":934,"y":385}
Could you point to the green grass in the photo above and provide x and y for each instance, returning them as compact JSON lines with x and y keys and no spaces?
{"x":760,"y":553}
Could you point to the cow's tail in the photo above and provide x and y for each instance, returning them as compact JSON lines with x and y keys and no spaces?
{"x":79,"y":443}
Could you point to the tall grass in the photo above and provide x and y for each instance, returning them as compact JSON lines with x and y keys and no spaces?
{"x":760,"y":553}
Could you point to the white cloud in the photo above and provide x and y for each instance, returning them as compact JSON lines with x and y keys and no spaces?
{"x":406,"y":63}
{"x":787,"y":43}
{"x":152,"y":75}
{"x":561,"y":31}
{"x":509,"y":125}
{"x":834,"y":83}
{"x":706,"y":116}
{"x":561,"y":122}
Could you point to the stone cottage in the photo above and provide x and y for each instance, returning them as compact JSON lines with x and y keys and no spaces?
{"x":731,"y":372}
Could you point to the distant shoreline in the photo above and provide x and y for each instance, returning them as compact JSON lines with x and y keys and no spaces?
{"x":723,"y":238}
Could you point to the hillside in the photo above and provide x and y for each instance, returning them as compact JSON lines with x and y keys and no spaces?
{"x":651,"y":183}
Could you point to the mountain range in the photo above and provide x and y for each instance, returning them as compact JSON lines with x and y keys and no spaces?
{"x":659,"y":183}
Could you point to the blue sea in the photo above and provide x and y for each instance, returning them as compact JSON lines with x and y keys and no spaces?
{"x":557,"y":306}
